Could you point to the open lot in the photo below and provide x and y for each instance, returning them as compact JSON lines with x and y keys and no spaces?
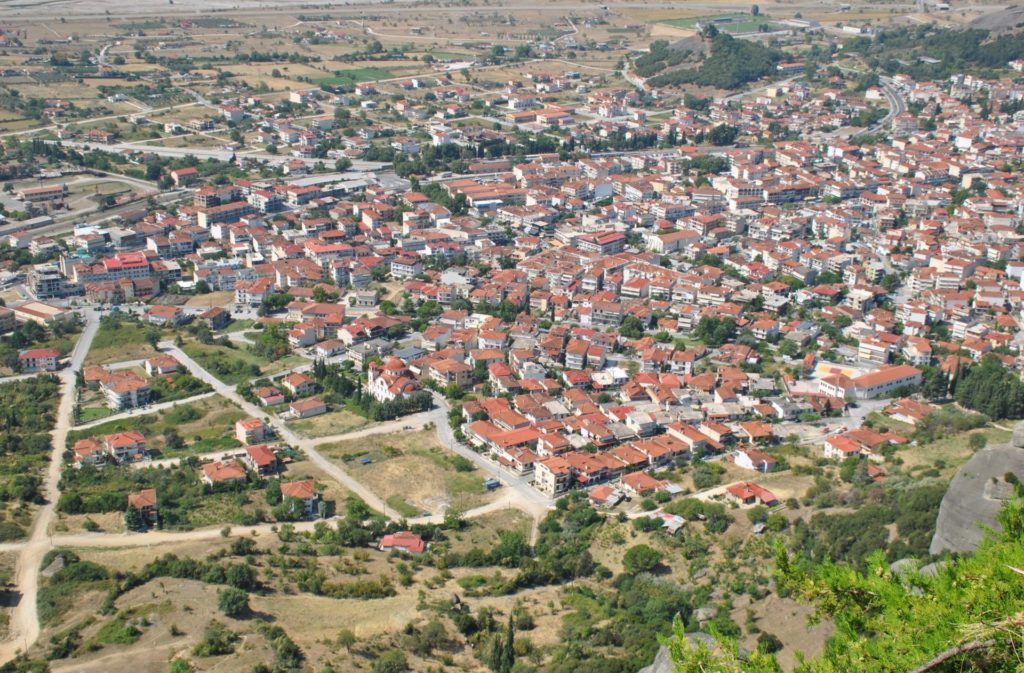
{"x":331,"y":423}
{"x":237,"y":365}
{"x":118,"y":342}
{"x":412,"y":472}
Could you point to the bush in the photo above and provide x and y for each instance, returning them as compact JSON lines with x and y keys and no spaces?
{"x":233,"y":602}
{"x":217,"y":640}
{"x":392,"y":661}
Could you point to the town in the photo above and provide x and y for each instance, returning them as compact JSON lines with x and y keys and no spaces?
{"x":705,"y":281}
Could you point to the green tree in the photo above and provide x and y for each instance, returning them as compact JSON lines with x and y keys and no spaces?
{"x":233,"y":602}
{"x":641,"y":558}
{"x":133,"y":519}
{"x":273,"y":492}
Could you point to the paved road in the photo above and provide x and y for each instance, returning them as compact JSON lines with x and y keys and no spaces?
{"x":24,"y":623}
{"x":207,"y":153}
{"x":153,"y":408}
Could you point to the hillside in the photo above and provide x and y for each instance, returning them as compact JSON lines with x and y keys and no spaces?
{"x":731,"y":63}
{"x":962,"y":615}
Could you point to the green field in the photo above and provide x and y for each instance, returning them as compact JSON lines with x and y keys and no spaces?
{"x":353,"y":76}
{"x":118,"y":342}
{"x":236,"y":365}
{"x":737,"y":23}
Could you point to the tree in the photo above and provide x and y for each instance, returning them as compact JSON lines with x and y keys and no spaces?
{"x":152,"y":337}
{"x":233,"y":602}
{"x":992,"y":389}
{"x":172,"y":440}
{"x":723,"y":134}
{"x":641,"y":558}
{"x":755,"y":10}
{"x":133,"y":519}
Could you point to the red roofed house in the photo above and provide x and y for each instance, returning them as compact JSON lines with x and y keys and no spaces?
{"x":299,"y":384}
{"x":260,"y":459}
{"x":125,"y":446}
{"x":39,"y":360}
{"x":145,"y":502}
{"x":641,"y":483}
{"x":404,"y":540}
{"x":161,"y":365}
{"x":753,"y":459}
{"x":304,"y":491}
{"x":749,"y":493}
{"x":222,"y":473}
{"x":311,"y":406}
{"x":251,"y":430}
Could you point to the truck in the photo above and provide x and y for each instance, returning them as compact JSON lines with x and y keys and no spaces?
{"x":491,"y":484}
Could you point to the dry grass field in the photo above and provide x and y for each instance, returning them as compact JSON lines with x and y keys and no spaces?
{"x":411,"y":471}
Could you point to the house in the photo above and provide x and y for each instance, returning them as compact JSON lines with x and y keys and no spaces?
{"x":161,"y":365}
{"x":216,"y":318}
{"x":39,"y":360}
{"x":269,"y":396}
{"x":749,"y":493}
{"x":145,"y":502}
{"x":299,"y":384}
{"x":125,"y":446}
{"x":304,"y":491}
{"x":641,"y":483}
{"x":89,"y":451}
{"x":165,"y":315}
{"x":308,"y":407}
{"x":222,"y":473}
{"x":605,"y":496}
{"x":260,"y":459}
{"x":404,"y":541}
{"x":753,"y":459}
{"x":553,"y":476}
{"x":183,"y":177}
{"x":126,"y":391}
{"x":251,"y":431}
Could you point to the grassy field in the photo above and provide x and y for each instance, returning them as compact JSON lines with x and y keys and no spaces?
{"x":205,"y":425}
{"x":117,"y":343}
{"x":483,"y":531}
{"x":411,"y":471}
{"x":234,"y":365}
{"x":332,"y":423}
{"x":738,"y":23}
{"x":353,"y":76}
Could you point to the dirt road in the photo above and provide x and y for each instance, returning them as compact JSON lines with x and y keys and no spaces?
{"x":24,"y":624}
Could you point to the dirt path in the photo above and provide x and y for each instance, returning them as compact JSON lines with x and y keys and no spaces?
{"x":24,"y":624}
